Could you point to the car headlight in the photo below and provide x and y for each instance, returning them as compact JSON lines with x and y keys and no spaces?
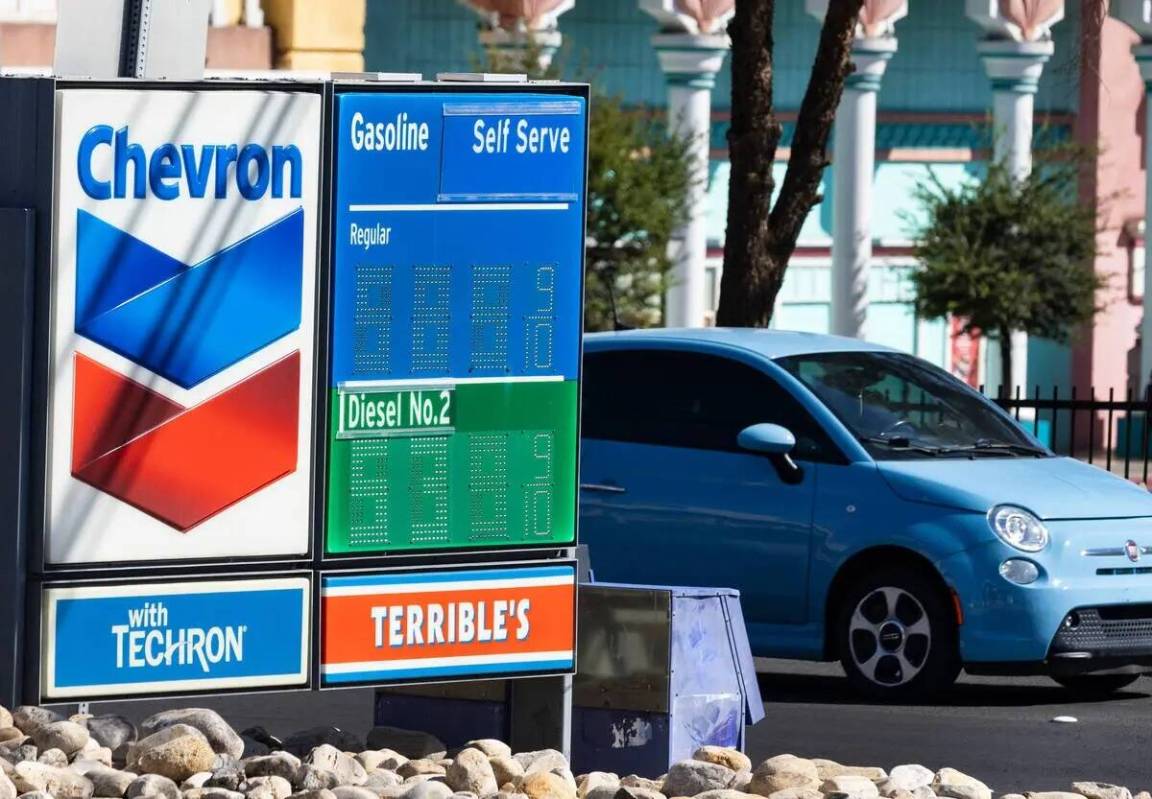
{"x":1018,"y":528}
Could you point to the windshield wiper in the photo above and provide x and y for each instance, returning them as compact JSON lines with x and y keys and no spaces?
{"x":985,"y":445}
{"x":996,"y":447}
{"x":902,"y":443}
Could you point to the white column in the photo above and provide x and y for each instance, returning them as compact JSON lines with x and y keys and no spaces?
{"x":690,"y":62}
{"x":1014,"y":69}
{"x":854,"y":160}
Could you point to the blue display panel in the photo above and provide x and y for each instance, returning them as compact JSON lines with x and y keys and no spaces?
{"x":163,"y":637}
{"x":458,"y":236}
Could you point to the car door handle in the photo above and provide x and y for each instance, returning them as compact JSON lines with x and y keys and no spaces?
{"x":606,"y":488}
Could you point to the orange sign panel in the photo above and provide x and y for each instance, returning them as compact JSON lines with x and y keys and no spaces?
{"x":393,"y":627}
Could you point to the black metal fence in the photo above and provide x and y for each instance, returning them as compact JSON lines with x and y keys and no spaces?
{"x":1109,"y":430}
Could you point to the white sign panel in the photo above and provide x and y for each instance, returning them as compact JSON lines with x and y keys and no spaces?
{"x":183,"y":324}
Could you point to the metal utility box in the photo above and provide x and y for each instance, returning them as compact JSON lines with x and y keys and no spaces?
{"x":663,"y":670}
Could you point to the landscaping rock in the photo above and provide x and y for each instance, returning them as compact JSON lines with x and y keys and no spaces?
{"x":1052,"y":795}
{"x":797,"y":793}
{"x":594,"y":780}
{"x":353,"y":792}
{"x":11,"y":734}
{"x":491,"y":747}
{"x":420,"y":765}
{"x":267,"y":787}
{"x":726,"y":793}
{"x":690,"y":777}
{"x":541,"y":760}
{"x":740,"y":781}
{"x":277,"y":764}
{"x":505,"y":768}
{"x":19,"y":754}
{"x":109,"y":781}
{"x":53,"y":757}
{"x":29,"y":718}
{"x":96,"y":754}
{"x":67,"y":736}
{"x":471,"y":772}
{"x":381,"y":779}
{"x":197,"y":780}
{"x":347,"y":769}
{"x":782,"y":772}
{"x":826,"y":769}
{"x":310,"y":778}
{"x":7,"y":789}
{"x":176,"y":752}
{"x":254,"y":748}
{"x":723,"y":756}
{"x":634,"y":781}
{"x":37,"y":795}
{"x":212,"y":793}
{"x":219,"y":734}
{"x":545,"y":785}
{"x":410,"y":743}
{"x":1101,"y":790}
{"x":849,"y":786}
{"x":625,"y":792}
{"x":228,"y":778}
{"x":111,"y":730}
{"x":62,"y":783}
{"x":909,"y":777}
{"x":5,"y":717}
{"x":962,"y":792}
{"x":262,"y":735}
{"x":428,"y":789}
{"x":320,"y":794}
{"x":304,"y":741}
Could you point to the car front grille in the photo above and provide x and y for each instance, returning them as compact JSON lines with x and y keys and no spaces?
{"x":1108,"y":630}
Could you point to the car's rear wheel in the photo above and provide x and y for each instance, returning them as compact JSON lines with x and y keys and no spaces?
{"x":1090,"y":686}
{"x":897,"y":636}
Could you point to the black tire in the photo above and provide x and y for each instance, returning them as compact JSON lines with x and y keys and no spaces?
{"x":913,"y":652}
{"x":1096,"y":686}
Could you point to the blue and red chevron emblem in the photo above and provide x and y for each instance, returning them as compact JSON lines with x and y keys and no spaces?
{"x":186,"y":323}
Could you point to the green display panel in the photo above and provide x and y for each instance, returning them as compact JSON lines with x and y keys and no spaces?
{"x":452,"y":466}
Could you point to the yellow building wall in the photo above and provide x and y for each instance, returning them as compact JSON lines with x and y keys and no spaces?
{"x":317,"y":34}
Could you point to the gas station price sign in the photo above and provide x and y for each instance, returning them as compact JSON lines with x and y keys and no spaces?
{"x":456,"y":320}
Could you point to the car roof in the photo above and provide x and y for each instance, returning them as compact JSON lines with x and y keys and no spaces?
{"x":769,"y":343}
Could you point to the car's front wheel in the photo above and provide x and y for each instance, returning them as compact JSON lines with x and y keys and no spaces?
{"x":1094,"y":686}
{"x":897,"y":636}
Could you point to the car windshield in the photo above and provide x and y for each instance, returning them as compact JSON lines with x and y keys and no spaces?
{"x":900,"y":407}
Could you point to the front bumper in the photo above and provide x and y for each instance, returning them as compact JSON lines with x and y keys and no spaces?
{"x":1079,"y":617}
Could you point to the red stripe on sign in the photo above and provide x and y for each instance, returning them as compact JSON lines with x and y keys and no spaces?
{"x":184,"y":465}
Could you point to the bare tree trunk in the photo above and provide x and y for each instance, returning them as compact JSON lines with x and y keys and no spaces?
{"x":1005,"y":363}
{"x":761,"y":236}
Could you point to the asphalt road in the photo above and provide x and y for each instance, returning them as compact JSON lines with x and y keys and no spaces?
{"x":997,"y":729}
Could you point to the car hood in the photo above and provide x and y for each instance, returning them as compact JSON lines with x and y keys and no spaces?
{"x":1052,"y":488}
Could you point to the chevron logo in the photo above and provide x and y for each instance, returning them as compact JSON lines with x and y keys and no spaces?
{"x":186,"y":323}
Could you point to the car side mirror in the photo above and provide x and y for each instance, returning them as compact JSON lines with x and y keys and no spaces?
{"x":777,"y":443}
{"x":770,"y":439}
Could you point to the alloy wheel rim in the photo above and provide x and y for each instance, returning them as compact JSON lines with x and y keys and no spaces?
{"x":889,"y":637}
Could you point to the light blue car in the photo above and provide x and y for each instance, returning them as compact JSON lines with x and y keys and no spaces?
{"x":870,"y":508}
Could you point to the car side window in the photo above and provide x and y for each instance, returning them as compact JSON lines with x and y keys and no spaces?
{"x":692,"y":400}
